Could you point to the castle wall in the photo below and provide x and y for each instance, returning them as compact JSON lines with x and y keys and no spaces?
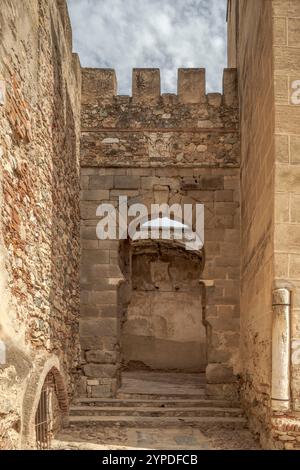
{"x":256,"y":92}
{"x":286,"y":52}
{"x":39,"y":186}
{"x":268,"y":63}
{"x":180,"y":148}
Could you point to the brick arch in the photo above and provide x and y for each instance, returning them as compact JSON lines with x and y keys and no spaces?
{"x":60,"y":390}
{"x":33,"y":392}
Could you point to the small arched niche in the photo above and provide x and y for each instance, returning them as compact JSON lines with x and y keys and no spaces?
{"x":163,"y":327}
{"x":48,"y":416}
{"x":45,"y":405}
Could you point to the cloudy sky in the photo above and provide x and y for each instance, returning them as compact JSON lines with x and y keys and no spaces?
{"x":168,"y":34}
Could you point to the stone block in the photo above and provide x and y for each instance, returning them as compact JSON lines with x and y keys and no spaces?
{"x":293,"y":32}
{"x":212,"y":182}
{"x":225,"y":323}
{"x":287,"y":119}
{"x":282,"y":205}
{"x":281,"y":88}
{"x":295,"y":149}
{"x":87,"y":310}
{"x":84,"y":182}
{"x":94,"y":272}
{"x":219,"y":355}
{"x":105,"y":390}
{"x":281,"y":265}
{"x":100,"y":285}
{"x":102,"y":391}
{"x":92,"y":382}
{"x":290,"y":8}
{"x":89,"y":244}
{"x":103,"y":297}
{"x":214,"y":99}
{"x":132,"y":194}
{"x":287,"y":238}
{"x":219,"y":374}
{"x":230,"y":87}
{"x":201,"y":195}
{"x":92,"y":257}
{"x":286,"y":59}
{"x":98,"y":342}
{"x":191,"y":85}
{"x":127,"y":182}
{"x":95,"y":195}
{"x":98,"y":327}
{"x":89,"y":171}
{"x":88,"y":233}
{"x":279,"y":31}
{"x":146,"y":85}
{"x":282,"y":148}
{"x":294,"y":269}
{"x":224,"y":391}
{"x":224,"y":196}
{"x":140,"y":171}
{"x":101,"y":182}
{"x":287,"y":178}
{"x":88,"y":209}
{"x":100,"y":370}
{"x":80,"y":388}
{"x":102,"y":357}
{"x":98,"y":84}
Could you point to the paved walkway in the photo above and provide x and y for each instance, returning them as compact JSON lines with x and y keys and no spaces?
{"x":183,"y":438}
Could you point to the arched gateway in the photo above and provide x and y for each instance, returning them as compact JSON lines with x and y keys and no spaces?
{"x":151,"y":304}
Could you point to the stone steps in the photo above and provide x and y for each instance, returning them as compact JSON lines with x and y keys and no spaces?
{"x":159,"y":422}
{"x":153,"y":396}
{"x":159,"y":402}
{"x":155,"y":411}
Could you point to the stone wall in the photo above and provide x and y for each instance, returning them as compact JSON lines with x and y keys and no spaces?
{"x":40,"y":80}
{"x":156,"y":148}
{"x":149,"y":129}
{"x":286,"y":52}
{"x":268,"y":64}
{"x":257,"y":214}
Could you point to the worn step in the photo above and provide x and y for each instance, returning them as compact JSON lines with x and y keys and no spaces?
{"x":159,"y":422}
{"x":153,"y":396}
{"x":154,"y":411}
{"x":158,"y":403}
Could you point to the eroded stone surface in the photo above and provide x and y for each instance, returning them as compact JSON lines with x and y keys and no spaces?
{"x":97,"y":438}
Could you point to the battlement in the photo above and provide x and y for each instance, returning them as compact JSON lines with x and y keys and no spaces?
{"x":150,"y":128}
{"x":101,"y":84}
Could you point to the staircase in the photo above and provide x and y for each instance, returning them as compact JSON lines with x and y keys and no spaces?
{"x":153,"y":402}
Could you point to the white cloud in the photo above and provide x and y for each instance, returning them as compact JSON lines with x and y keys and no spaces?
{"x":168,"y":34}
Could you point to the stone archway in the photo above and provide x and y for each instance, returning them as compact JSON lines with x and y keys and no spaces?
{"x":32,"y":395}
{"x":105,"y":285}
{"x":160,"y":299}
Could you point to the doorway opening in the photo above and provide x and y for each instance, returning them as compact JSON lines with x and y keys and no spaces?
{"x":162,"y":329}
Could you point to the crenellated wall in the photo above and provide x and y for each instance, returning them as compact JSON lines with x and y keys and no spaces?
{"x":190,"y":129}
